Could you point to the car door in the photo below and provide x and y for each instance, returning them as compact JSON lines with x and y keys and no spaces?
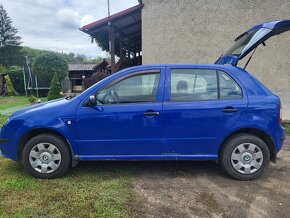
{"x":200,"y":105}
{"x":126,"y":119}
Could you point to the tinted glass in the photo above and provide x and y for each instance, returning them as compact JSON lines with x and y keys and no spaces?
{"x":229,"y":89}
{"x":135,"y":89}
{"x":246,"y":40}
{"x":193,"y":85}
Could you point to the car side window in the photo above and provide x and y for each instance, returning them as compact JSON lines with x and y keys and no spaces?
{"x":138,"y":88}
{"x":229,"y":89}
{"x":193,"y":85}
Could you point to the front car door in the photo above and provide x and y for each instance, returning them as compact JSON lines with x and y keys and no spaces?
{"x":126,"y":119}
{"x":199,"y":105}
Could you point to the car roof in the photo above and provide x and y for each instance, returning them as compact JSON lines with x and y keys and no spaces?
{"x":205,"y":66}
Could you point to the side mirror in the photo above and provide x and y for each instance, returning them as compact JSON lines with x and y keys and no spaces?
{"x":91,"y":101}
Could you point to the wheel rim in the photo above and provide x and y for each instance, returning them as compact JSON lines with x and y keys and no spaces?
{"x":45,"y":158}
{"x":247,"y":158}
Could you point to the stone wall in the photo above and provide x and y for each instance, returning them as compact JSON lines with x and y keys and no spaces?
{"x":199,"y":31}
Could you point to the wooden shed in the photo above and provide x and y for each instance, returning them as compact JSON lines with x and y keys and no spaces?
{"x":80,"y":71}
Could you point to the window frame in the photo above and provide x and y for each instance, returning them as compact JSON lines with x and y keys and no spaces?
{"x":127,"y":76}
{"x":219,"y":90}
{"x":218,"y":85}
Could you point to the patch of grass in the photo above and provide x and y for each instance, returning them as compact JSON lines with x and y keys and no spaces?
{"x":10,"y":104}
{"x":287,"y":127}
{"x":94,"y":189}
{"x":3,"y":119}
{"x":13,"y":101}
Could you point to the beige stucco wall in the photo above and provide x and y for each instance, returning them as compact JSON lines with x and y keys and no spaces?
{"x":199,"y":31}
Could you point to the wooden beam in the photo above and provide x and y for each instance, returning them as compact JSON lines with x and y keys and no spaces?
{"x":112,"y":46}
{"x":131,"y":25}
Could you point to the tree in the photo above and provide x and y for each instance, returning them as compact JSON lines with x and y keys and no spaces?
{"x":16,"y":76}
{"x":55,"y":89}
{"x":80,"y":58}
{"x":46,"y":65}
{"x":2,"y":69}
{"x":7,"y":32}
{"x":9,"y":41}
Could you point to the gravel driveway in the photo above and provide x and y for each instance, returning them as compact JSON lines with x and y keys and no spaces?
{"x":201,"y":189}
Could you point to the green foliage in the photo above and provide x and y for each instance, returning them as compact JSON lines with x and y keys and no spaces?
{"x":9,"y":41}
{"x":10,"y":55}
{"x":16,"y":76}
{"x":7,"y":32}
{"x":46,"y":65}
{"x":32,"y":99}
{"x":70,"y":58}
{"x":2,"y":69}
{"x":102,"y":39}
{"x":287,"y":127}
{"x":10,"y":88}
{"x":55,"y":89}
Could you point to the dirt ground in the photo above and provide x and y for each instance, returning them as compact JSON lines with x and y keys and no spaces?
{"x":201,"y":189}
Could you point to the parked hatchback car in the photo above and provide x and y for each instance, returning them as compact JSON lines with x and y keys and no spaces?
{"x":216,"y":112}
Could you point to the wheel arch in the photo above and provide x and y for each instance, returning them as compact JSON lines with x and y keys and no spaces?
{"x":34,"y":132}
{"x":260,"y":134}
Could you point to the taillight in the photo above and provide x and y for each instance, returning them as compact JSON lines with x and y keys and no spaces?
{"x":281,"y":114}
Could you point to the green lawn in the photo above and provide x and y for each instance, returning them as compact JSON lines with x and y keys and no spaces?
{"x":96,"y":189}
{"x":287,"y":127}
{"x":8,"y":105}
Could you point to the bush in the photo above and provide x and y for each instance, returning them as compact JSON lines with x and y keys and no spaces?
{"x":16,"y":76}
{"x":46,"y":65}
{"x":55,"y":89}
{"x":10,"y":88}
{"x":2,"y":69}
{"x":32,"y":99}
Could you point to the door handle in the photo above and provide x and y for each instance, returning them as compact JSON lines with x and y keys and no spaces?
{"x":230,"y":110}
{"x":151,"y":113}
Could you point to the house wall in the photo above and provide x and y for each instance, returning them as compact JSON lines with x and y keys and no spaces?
{"x":199,"y":31}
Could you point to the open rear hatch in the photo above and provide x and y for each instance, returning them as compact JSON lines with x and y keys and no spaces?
{"x":251,"y":39}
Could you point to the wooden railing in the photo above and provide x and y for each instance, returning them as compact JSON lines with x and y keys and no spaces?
{"x":96,"y":77}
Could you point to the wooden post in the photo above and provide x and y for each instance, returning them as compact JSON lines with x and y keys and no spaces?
{"x":121,"y":47}
{"x":36,"y":84}
{"x":24,"y":79}
{"x":112,"y":46}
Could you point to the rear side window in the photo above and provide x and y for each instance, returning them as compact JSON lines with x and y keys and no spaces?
{"x":229,"y":89}
{"x":202,"y":84}
{"x":193,"y":85}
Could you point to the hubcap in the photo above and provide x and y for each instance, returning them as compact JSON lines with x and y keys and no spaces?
{"x":247,"y":158}
{"x":45,"y":158}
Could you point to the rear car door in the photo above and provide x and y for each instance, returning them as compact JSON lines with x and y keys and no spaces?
{"x":200,"y":105}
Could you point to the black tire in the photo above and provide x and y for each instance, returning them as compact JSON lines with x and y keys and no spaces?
{"x":62,"y":147}
{"x":231,"y":144}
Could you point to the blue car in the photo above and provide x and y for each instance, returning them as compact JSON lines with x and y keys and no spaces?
{"x":217,"y":112}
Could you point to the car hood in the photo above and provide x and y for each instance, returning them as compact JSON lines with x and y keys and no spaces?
{"x":59,"y":103}
{"x":251,"y":39}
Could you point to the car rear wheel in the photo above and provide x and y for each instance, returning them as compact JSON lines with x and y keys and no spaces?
{"x":244,"y":157}
{"x":46,"y":156}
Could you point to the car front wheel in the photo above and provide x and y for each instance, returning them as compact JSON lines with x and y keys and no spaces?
{"x":46,"y":156}
{"x":245,"y":157}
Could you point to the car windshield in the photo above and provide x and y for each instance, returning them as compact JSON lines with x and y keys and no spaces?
{"x":246,"y":40}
